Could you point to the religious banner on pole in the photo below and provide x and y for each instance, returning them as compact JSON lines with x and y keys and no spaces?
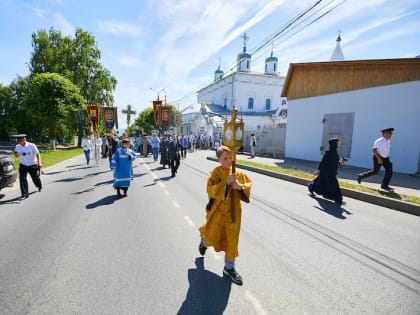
{"x":165,"y":116}
{"x":116,"y":117}
{"x":156,"y":108}
{"x":93,"y":113}
{"x":109,"y":117}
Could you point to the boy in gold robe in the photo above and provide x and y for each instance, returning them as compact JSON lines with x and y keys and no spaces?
{"x":223,"y":220}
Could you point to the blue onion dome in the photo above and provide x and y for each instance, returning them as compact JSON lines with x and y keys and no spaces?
{"x":271,"y":58}
{"x":244,"y":55}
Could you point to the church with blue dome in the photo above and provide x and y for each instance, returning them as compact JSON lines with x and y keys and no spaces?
{"x":256,"y":95}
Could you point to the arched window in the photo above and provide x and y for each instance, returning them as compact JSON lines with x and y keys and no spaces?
{"x":250,"y":103}
{"x":225,"y":103}
{"x":275,"y":67}
{"x":267,"y":104}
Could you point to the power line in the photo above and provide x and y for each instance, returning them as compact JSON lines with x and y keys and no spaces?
{"x":283,"y":31}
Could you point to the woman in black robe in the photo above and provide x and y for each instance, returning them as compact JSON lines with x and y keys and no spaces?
{"x":164,"y":158}
{"x":326,"y":183}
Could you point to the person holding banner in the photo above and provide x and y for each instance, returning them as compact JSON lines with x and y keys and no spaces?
{"x":223,"y":220}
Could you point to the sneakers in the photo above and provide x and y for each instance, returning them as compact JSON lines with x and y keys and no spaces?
{"x":359,"y":178}
{"x":202,"y":248}
{"x":233,"y":275}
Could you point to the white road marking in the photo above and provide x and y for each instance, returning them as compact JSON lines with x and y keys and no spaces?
{"x":257,"y":306}
{"x":161,"y":184}
{"x":189,"y":221}
{"x":176,"y":204}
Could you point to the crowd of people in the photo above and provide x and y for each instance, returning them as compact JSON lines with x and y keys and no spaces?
{"x":226,"y":186}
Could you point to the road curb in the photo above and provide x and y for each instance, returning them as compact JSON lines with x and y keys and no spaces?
{"x":389,"y":203}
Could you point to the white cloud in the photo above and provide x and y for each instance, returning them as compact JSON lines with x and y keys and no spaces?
{"x":63,"y":25}
{"x":128,"y":61}
{"x":39,"y":12}
{"x":119,"y":28}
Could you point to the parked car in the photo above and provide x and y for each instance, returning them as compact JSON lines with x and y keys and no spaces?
{"x":8,"y":173}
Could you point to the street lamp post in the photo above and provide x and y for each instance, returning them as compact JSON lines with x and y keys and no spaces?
{"x":161,"y":90}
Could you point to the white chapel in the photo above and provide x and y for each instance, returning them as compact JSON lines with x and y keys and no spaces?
{"x":256,"y":96}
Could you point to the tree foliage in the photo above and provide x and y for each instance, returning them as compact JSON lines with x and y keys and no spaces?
{"x":52,"y":99}
{"x":145,"y":122}
{"x":50,"y":104}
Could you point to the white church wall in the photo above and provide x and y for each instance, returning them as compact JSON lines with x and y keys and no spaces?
{"x":396,"y":106}
{"x":257,"y":86}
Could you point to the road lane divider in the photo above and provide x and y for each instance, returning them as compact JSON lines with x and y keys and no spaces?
{"x":257,"y":305}
{"x":189,"y":221}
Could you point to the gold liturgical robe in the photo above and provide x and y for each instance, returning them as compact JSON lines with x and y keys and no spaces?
{"x":219,"y":230}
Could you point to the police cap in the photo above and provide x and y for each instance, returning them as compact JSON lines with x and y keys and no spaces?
{"x":391,"y":130}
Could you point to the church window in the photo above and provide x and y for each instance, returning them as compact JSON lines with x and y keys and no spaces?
{"x":265,"y":67}
{"x":225,"y":103}
{"x":275,"y":66}
{"x":250,"y":103}
{"x":267,"y":104}
{"x":247,"y":64}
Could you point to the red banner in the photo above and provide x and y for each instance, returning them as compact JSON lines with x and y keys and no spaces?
{"x":165,"y":116}
{"x":93,"y":113}
{"x":156,"y":106}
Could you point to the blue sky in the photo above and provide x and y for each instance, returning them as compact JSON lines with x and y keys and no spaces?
{"x":176,"y":45}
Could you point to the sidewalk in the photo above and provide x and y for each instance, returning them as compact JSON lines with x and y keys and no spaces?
{"x":403,"y":184}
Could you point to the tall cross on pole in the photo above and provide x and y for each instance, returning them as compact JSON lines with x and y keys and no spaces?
{"x":128,"y":111}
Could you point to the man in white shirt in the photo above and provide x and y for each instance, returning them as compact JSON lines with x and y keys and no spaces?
{"x":98,"y":148}
{"x":29,"y":162}
{"x":381,"y":150}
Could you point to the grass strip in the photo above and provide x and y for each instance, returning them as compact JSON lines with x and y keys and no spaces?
{"x":309,"y":176}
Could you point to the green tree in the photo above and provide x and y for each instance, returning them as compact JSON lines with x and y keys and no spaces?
{"x":18,"y":114}
{"x":78,"y":60}
{"x":51,"y":101}
{"x":146,"y":121}
{"x":5,"y":122}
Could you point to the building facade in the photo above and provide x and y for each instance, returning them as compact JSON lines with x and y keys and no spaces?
{"x":255,"y":95}
{"x":354,"y":100}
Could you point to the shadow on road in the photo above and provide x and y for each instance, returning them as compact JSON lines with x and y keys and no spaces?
{"x":70,"y":166}
{"x":330,"y":207}
{"x":69,"y":179}
{"x":13,"y":200}
{"x":208,"y":293}
{"x":53,"y":173}
{"x":107,"y":182}
{"x":102,"y":202}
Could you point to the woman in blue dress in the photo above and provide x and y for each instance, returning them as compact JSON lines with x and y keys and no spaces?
{"x":121,"y":163}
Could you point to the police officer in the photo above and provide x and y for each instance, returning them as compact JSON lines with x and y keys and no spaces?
{"x":29,"y":162}
{"x":381,"y":150}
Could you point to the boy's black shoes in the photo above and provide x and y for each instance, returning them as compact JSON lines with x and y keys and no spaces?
{"x":202,"y":248}
{"x":233,"y":275}
{"x":385,"y":187}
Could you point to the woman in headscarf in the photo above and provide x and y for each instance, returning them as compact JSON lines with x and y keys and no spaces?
{"x":326,"y":183}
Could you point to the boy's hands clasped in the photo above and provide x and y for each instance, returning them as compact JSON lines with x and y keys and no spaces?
{"x":232,"y":182}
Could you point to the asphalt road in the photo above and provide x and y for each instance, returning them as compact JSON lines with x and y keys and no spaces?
{"x":75,"y":249}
